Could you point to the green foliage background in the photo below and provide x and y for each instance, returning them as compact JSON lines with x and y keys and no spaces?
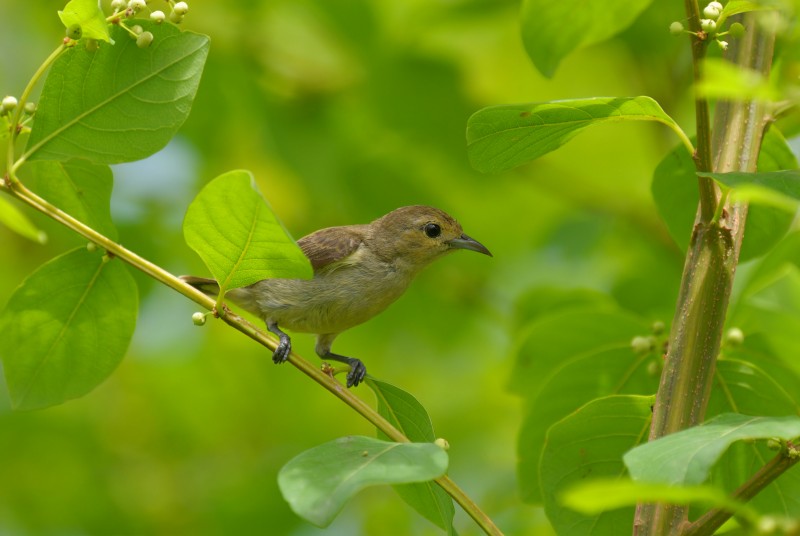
{"x":343,"y":111}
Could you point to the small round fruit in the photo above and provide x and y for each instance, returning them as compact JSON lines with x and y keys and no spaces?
{"x":75,"y":32}
{"x":676,"y":28}
{"x":181,"y":8}
{"x":144,"y":39}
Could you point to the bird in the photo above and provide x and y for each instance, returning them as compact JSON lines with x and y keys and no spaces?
{"x":359,"y":270}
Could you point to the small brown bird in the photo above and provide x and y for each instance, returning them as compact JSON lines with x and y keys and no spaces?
{"x":359,"y":270}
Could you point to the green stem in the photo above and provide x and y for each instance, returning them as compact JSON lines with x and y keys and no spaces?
{"x":707,"y":281}
{"x":702,"y":154}
{"x":683,"y":137}
{"x":23,"y":99}
{"x":714,"y":519}
{"x":240,"y":324}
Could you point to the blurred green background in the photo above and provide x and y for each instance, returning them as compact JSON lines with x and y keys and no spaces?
{"x":344,"y":110}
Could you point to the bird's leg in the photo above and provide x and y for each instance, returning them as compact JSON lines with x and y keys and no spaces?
{"x":358,"y":371}
{"x":284,"y":348}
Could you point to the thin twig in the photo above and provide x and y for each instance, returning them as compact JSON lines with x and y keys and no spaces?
{"x":19,"y":191}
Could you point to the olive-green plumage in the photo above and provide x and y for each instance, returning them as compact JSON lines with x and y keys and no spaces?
{"x":359,"y":270}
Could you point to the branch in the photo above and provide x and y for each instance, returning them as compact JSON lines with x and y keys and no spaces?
{"x":709,"y":269}
{"x":18,"y":190}
{"x":714,"y":519}
{"x":702,"y":154}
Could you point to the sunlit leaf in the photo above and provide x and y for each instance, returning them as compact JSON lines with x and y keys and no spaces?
{"x":595,"y":496}
{"x":734,"y":7}
{"x":318,"y":482}
{"x":88,"y":15}
{"x":686,"y":457}
{"x":66,"y":328}
{"x":589,"y":444}
{"x":503,"y":137}
{"x":552,"y":30}
{"x":725,"y":80}
{"x":13,"y":218}
{"x":675,"y":192}
{"x":409,"y":416}
{"x":233,"y":229}
{"x":78,"y":187}
{"x":118,"y":103}
{"x":772,"y":187}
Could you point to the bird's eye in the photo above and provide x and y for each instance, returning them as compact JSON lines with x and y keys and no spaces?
{"x":432,"y":230}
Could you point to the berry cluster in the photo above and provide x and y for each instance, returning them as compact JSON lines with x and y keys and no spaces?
{"x":128,"y":9}
{"x":708,"y":26}
{"x":9,"y":104}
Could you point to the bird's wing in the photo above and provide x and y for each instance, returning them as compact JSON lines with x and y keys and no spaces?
{"x":331,"y":245}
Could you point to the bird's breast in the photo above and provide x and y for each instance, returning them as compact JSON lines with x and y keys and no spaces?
{"x":336,"y":299}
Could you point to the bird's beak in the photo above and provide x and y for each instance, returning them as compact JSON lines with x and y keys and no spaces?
{"x":465,"y":242}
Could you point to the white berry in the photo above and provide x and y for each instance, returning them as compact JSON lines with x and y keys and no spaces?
{"x":708,"y":25}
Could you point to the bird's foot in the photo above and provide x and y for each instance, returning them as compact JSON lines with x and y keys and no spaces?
{"x":281,"y":353}
{"x":358,"y":371}
{"x":284,"y":348}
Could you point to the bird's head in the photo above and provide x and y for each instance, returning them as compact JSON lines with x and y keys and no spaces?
{"x":416,"y":235}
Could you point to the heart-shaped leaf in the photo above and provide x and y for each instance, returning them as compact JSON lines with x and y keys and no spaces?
{"x":588,"y":444}
{"x":78,"y":187}
{"x":551,"y":30}
{"x":17,"y":221}
{"x":66,"y":328}
{"x":118,"y":103}
{"x":233,"y":229}
{"x":409,"y":416}
{"x":318,"y":482}
{"x":503,"y":137}
{"x":686,"y":457}
{"x":88,"y":15}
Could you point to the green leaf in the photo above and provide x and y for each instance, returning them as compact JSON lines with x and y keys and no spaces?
{"x":546,"y":300}
{"x":17,"y":221}
{"x":66,"y":328}
{"x":552,"y":340}
{"x":552,"y":30}
{"x":734,"y":7}
{"x":686,"y":457}
{"x":570,"y":385}
{"x":584,"y":335}
{"x":589,"y":443}
{"x":768,"y":310}
{"x":119,"y":103}
{"x":744,"y":386}
{"x":78,"y":187}
{"x":403,"y":411}
{"x":318,"y":482}
{"x":233,"y":229}
{"x":503,"y":137}
{"x":725,"y":80}
{"x":595,"y":496}
{"x":88,"y":15}
{"x":406,"y":414}
{"x":777,"y":188}
{"x":675,"y":192}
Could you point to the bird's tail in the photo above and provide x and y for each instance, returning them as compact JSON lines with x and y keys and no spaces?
{"x":203,"y":284}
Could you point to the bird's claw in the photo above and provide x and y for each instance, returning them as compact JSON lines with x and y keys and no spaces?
{"x":282,"y":352}
{"x":358,"y":371}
